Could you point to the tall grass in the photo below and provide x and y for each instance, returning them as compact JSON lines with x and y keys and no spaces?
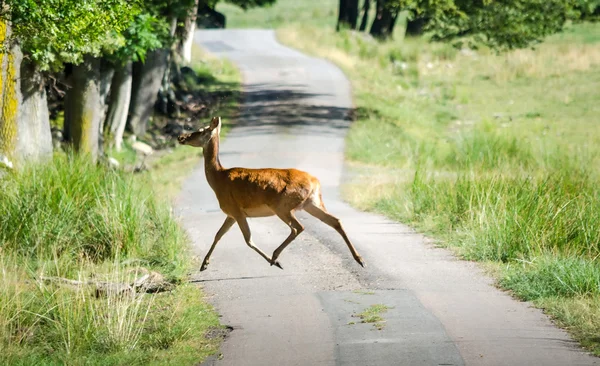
{"x":72,"y":219}
{"x":49,"y":324}
{"x":70,"y":210}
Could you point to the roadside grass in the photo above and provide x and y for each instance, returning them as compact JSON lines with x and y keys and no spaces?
{"x":496,"y":156}
{"x":68,"y":218}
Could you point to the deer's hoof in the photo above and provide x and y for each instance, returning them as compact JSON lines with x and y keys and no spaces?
{"x":276,"y":264}
{"x":203,"y":267}
{"x":361,"y":262}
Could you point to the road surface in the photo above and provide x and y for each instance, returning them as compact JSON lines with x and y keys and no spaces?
{"x":442,"y":311}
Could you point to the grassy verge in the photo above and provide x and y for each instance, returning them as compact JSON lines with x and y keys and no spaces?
{"x":494,"y":155}
{"x":75,"y":220}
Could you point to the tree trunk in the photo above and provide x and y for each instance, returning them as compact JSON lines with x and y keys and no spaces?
{"x":383,"y":23}
{"x":107,"y":71}
{"x":416,"y":26}
{"x":35,"y":137}
{"x":118,"y":106}
{"x":9,"y":101}
{"x":365,"y":17}
{"x":348,"y":14}
{"x":147,"y":79}
{"x":24,"y":119}
{"x":187,"y":38}
{"x":84,"y":106}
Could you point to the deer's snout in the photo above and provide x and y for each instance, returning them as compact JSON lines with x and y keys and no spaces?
{"x":182,"y":138}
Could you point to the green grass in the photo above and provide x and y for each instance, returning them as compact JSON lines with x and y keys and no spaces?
{"x":73,"y":219}
{"x":373,"y":315}
{"x":494,"y":155}
{"x":309,"y":12}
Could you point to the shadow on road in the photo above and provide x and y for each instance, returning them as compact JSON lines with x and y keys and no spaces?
{"x":269,"y":108}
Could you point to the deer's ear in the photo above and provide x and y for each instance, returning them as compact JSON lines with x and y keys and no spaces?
{"x":215,"y":123}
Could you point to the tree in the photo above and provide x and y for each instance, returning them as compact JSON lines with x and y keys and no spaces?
{"x":385,"y":19}
{"x":149,"y":75}
{"x":24,"y":121}
{"x":348,"y":14}
{"x":146,"y":33}
{"x":365,"y":16}
{"x":499,"y":24}
{"x":184,"y":47}
{"x":51,"y":34}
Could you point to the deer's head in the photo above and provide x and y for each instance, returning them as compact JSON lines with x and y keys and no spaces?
{"x":201,"y":137}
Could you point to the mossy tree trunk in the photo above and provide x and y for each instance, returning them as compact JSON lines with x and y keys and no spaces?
{"x":84,"y":107}
{"x":24,"y":118}
{"x":118,"y":107}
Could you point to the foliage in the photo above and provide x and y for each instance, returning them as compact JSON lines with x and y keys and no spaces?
{"x":55,"y":32}
{"x":501,"y":24}
{"x":145,"y":33}
{"x":248,"y":4}
{"x":587,"y":10}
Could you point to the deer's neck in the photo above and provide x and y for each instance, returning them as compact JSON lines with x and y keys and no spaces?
{"x":212,"y":165}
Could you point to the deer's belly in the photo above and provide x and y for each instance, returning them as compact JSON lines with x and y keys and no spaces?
{"x":260,"y":211}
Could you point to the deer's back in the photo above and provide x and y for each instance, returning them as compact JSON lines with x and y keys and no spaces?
{"x":257,"y":191}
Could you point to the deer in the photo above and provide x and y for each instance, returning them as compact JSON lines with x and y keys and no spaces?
{"x":248,"y":193}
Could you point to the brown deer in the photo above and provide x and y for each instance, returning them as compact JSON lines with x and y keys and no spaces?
{"x":244,"y":193}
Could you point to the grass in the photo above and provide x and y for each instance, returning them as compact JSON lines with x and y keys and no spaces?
{"x":72,"y":219}
{"x":309,"y":12}
{"x":494,"y":155}
{"x":373,"y":315}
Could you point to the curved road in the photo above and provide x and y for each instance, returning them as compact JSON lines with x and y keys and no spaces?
{"x":442,"y":311}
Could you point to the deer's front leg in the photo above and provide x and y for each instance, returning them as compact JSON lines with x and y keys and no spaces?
{"x":229,"y":221}
{"x":295,"y":226}
{"x":243,"y":224}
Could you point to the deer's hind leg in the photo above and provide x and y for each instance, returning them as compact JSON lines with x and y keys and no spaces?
{"x":296,"y":227}
{"x":322,"y":214}
{"x":243,"y":224}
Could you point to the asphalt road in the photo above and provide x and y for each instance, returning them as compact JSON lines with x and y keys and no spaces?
{"x":442,"y":311}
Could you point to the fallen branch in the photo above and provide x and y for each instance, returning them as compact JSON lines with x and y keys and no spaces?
{"x":150,"y":282}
